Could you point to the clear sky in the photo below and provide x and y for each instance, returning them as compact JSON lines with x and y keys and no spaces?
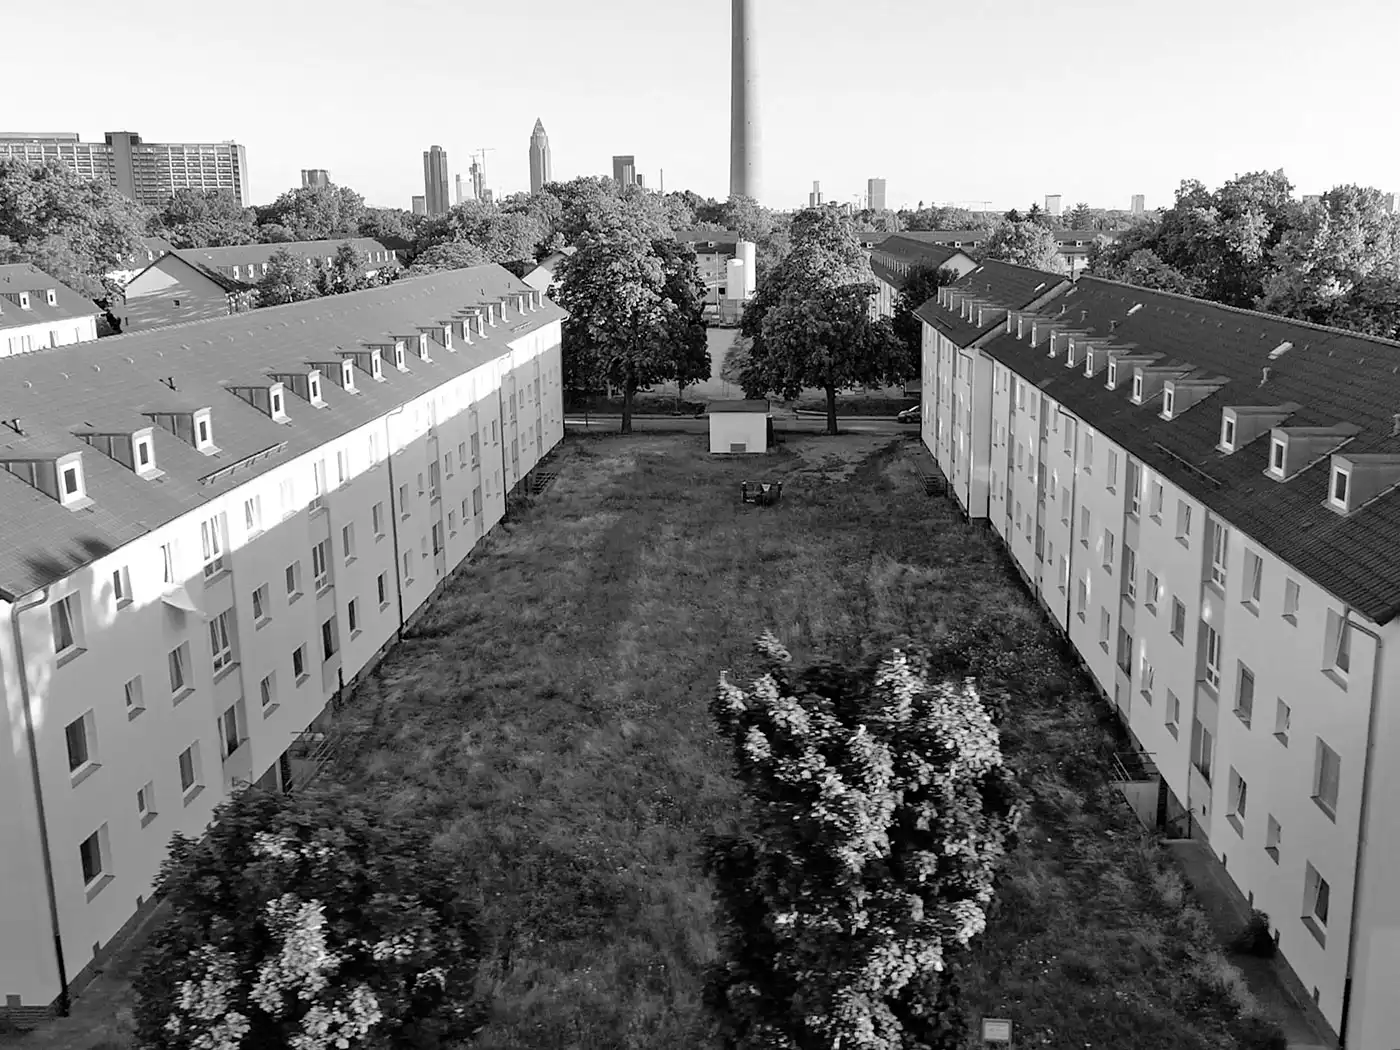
{"x":996,"y":100}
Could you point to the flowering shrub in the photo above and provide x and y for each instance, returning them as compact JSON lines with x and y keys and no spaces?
{"x":307,"y":921}
{"x":880,"y":815}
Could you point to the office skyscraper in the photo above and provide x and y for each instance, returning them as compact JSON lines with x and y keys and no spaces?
{"x":743,"y":105}
{"x":147,"y":172}
{"x":435,"y":181}
{"x":814,"y":199}
{"x":1138,"y":208}
{"x":462,"y":189}
{"x":1052,"y":204}
{"x":420,"y":205}
{"x":478,"y":180}
{"x":875,"y":195}
{"x":314,"y":177}
{"x":625,"y":170}
{"x":541,"y":170}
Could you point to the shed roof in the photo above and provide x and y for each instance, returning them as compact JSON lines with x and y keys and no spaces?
{"x":752,"y":405}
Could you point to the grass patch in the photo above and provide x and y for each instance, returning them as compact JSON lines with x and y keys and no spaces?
{"x":857,"y":403}
{"x":550,"y":716}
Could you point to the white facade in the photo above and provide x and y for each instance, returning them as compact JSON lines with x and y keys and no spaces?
{"x":23,"y":339}
{"x":315,"y":567}
{"x":738,"y":431}
{"x":1220,"y":658}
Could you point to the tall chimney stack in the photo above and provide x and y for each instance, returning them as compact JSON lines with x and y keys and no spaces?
{"x":743,"y":109}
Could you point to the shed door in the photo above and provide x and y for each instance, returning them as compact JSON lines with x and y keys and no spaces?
{"x":738,"y":446}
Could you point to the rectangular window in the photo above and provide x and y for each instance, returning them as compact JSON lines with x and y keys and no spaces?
{"x":330,"y":639}
{"x":1147,"y":676}
{"x":1154,"y":505}
{"x":178,"y":661}
{"x":287,"y":490}
{"x":1202,"y":749}
{"x":146,"y":802}
{"x":169,"y":563}
{"x":121,"y":587}
{"x":1085,"y":525}
{"x":1173,"y":713}
{"x":382,"y":587}
{"x":347,"y":542}
{"x":93,"y":857}
{"x":1134,"y":486}
{"x":80,"y":735}
{"x":230,"y":731}
{"x":1183,"y":521}
{"x":66,"y":617}
{"x":476,"y":450}
{"x":135,"y":696}
{"x":1212,"y":657}
{"x":403,"y":500}
{"x":1253,"y":579}
{"x":1112,"y":470}
{"x":1244,"y":695}
{"x":211,"y":537}
{"x":1327,"y":778}
{"x":1125,"y":651}
{"x":219,"y":641}
{"x":1105,"y":626}
{"x":476,"y":500}
{"x":1317,"y":902}
{"x":461,"y":453}
{"x":321,"y":565}
{"x":1178,"y":620}
{"x":352,"y":615}
{"x":1338,"y":657}
{"x":1088,"y":451}
{"x":1273,"y":838}
{"x":1154,"y":589}
{"x":189,"y":771}
{"x":452,"y":522}
{"x":377,"y":520}
{"x":434,"y":480}
{"x":1283,"y":718}
{"x":262,"y":606}
{"x":1291,"y":595}
{"x":1219,"y":552}
{"x":1064,"y":505}
{"x":342,"y":466}
{"x":408,"y":566}
{"x":1238,"y":800}
{"x":252,"y":514}
{"x":1064,"y":572}
{"x":1108,"y":550}
{"x":267,"y":693}
{"x":421,"y":490}
{"x":293,"y":578}
{"x":299,"y":662}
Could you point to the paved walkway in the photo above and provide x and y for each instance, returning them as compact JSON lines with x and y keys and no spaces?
{"x":1227,"y":910}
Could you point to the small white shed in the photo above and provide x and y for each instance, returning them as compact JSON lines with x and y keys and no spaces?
{"x":739,"y":426}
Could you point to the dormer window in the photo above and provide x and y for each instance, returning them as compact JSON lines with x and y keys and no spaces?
{"x":347,"y":376}
{"x":71,"y":477}
{"x":1089,"y":363}
{"x":24,"y":300}
{"x":314,"y":388}
{"x":423,"y":346}
{"x":1137,"y":388}
{"x":237,"y":272}
{"x":1227,"y":434}
{"x":51,"y":295}
{"x":1168,"y":402}
{"x":376,"y":365}
{"x":145,"y":454}
{"x":204,"y":432}
{"x":1341,"y":488}
{"x":1113,"y":375}
{"x":278,"y":401}
{"x":1276,"y":455}
{"x":398,"y":356}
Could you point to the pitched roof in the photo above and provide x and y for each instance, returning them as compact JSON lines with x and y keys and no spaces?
{"x":1336,"y":376}
{"x":724,"y":240}
{"x":911,"y":252}
{"x":1001,"y":285}
{"x":752,"y":405}
{"x":176,"y":258}
{"x":25,"y":277}
{"x":249,"y":254}
{"x":108,"y":385}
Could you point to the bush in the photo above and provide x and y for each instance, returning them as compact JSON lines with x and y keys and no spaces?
{"x":1254,"y":937}
{"x":1259,"y":1033}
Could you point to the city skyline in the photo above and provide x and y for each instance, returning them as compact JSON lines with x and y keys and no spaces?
{"x":541,"y":162}
{"x":596,"y":112}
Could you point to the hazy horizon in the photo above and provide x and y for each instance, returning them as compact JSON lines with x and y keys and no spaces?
{"x":1004,"y":101}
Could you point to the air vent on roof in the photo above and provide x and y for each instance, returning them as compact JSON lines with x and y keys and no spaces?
{"x":1279,"y":351}
{"x":1134,"y":309}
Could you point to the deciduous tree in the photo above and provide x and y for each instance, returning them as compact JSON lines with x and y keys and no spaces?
{"x":205,"y":219}
{"x":920,"y":285}
{"x":75,"y":229}
{"x":686,"y":346}
{"x":289,"y":279}
{"x":503,"y":237}
{"x":313,"y":921}
{"x":810,"y":321}
{"x":1026,"y":243}
{"x":879,"y":816}
{"x":346,"y":273}
{"x":315,"y":213}
{"x":450,"y":255}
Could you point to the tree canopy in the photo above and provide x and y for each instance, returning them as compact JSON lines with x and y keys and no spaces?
{"x":449,"y":255}
{"x":205,"y":219}
{"x":879,"y":816}
{"x":810,"y":322}
{"x":311,"y":920}
{"x":1026,"y":242}
{"x":502,"y":236}
{"x":921,"y":284}
{"x":289,"y":279}
{"x":76,"y":229}
{"x":314,"y":213}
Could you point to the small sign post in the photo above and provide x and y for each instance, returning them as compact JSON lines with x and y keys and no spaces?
{"x":996,"y":1030}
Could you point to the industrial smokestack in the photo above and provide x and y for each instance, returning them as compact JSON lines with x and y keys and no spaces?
{"x":743,"y":110}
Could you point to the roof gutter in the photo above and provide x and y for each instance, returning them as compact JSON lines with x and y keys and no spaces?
{"x":40,"y":596}
{"x":1366,"y":778}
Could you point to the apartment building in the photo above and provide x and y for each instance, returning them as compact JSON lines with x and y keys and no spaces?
{"x":38,"y":312}
{"x":893,"y":258}
{"x":147,"y":172}
{"x":209,"y":532}
{"x":1207,"y":502}
{"x":195,"y":284}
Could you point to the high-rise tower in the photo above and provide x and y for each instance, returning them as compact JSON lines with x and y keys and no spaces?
{"x":540,"y":168}
{"x":435,"y":181}
{"x":743,"y":108}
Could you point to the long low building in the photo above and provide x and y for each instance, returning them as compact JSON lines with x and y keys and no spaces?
{"x":1206,"y":501}
{"x":196,"y":284}
{"x":207,"y":534}
{"x":38,"y":312}
{"x":894,"y":258}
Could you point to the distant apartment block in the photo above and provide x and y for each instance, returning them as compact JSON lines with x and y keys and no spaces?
{"x":1052,"y":204}
{"x":435,"y":181}
{"x":196,"y":284}
{"x":814,"y":199}
{"x":315,"y":178}
{"x":420,"y":205}
{"x":1138,"y":204}
{"x":147,"y":172}
{"x":1204,"y":500}
{"x":896,"y":255}
{"x":625,"y":170}
{"x":875,"y":194}
{"x":37,"y":312}
{"x":210,"y":534}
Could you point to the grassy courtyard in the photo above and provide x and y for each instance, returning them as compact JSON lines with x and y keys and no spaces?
{"x":549,"y":715}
